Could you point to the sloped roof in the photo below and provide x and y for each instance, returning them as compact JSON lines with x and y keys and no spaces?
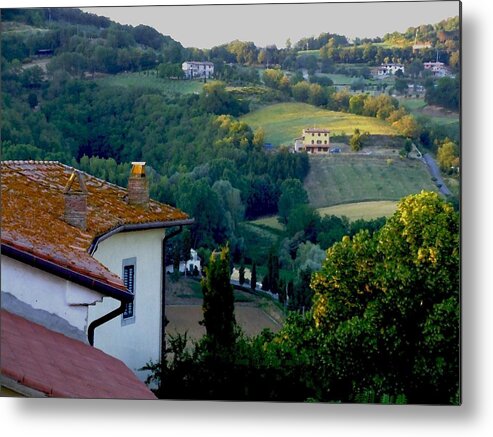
{"x":33,"y":211}
{"x":59,"y":366}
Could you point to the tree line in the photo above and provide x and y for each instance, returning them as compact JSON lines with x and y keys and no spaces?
{"x":384,"y":327}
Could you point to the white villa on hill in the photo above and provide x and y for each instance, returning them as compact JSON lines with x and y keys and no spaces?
{"x":439,"y":69}
{"x":201,"y":70}
{"x":387,"y":69}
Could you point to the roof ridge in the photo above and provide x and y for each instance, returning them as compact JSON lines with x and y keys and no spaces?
{"x":71,"y":168}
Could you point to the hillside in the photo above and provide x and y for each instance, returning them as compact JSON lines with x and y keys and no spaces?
{"x":333,"y":180}
{"x":150,"y":80}
{"x":283,"y":122}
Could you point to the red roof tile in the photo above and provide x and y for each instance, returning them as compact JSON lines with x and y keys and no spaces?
{"x":33,"y":211}
{"x":59,"y":366}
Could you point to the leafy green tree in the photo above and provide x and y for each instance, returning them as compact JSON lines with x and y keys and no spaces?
{"x":445,"y":92}
{"x":355,"y":141}
{"x":317,"y":95}
{"x":388,"y":304}
{"x":447,"y":155}
{"x":215,"y":99}
{"x":407,"y":126}
{"x":218,"y":303}
{"x":303,"y":218}
{"x":357,"y":103}
{"x":401,"y":85}
{"x":292,"y":194}
{"x":301,"y":91}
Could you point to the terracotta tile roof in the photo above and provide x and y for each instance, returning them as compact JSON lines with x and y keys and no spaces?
{"x":59,"y":366}
{"x":316,"y":130}
{"x":33,"y":210}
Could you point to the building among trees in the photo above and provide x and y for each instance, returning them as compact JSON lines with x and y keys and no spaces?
{"x":198,"y":70}
{"x":386,"y":69}
{"x":314,"y":140}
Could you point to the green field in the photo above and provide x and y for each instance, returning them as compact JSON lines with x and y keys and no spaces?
{"x":270,"y":222}
{"x":315,"y":52}
{"x":353,"y":211}
{"x":258,"y":240}
{"x":282,"y":122}
{"x":418,"y":107}
{"x":340,"y":79}
{"x":361,"y":210}
{"x":166,"y":86}
{"x":335,"y":180}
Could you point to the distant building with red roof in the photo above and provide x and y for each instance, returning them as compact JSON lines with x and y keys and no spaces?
{"x":84,"y":257}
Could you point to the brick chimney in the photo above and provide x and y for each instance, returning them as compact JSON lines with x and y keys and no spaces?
{"x":75,"y":196}
{"x":138,"y":188}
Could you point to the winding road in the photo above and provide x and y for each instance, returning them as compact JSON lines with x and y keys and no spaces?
{"x":435,"y":172}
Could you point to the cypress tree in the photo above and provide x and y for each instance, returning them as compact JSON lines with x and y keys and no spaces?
{"x":242,"y":272}
{"x":218,"y":303}
{"x":253,"y":280}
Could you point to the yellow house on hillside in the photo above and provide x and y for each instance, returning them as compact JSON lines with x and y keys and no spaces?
{"x":314,"y":140}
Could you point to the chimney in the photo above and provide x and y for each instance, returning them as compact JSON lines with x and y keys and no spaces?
{"x":75,"y":196}
{"x":138,"y":188}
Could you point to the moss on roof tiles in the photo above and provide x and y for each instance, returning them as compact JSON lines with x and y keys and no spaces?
{"x":33,"y":210}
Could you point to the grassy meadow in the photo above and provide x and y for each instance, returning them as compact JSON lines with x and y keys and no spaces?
{"x":283,"y":122}
{"x":418,"y":107}
{"x":165,"y":86}
{"x":361,"y":210}
{"x":335,"y":180}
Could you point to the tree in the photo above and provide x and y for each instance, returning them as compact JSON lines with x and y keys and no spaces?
{"x":317,"y":95}
{"x":270,"y":282}
{"x":301,"y":91}
{"x":218,"y":303}
{"x":355,"y":141}
{"x":407,"y":126}
{"x":447,"y":154}
{"x":357,"y":103}
{"x":241,"y":271}
{"x":32,"y":99}
{"x":303,"y":218}
{"x":401,"y":85}
{"x":387,"y":305}
{"x":292,"y":194}
{"x":415,"y":68}
{"x":253,"y":279}
{"x":259,"y":137}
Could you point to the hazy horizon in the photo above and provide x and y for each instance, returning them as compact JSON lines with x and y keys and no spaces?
{"x":206,"y":26}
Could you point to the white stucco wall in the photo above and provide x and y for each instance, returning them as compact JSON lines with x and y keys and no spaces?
{"x":136,"y":341}
{"x":47,"y":292}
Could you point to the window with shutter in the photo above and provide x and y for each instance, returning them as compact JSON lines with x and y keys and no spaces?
{"x":128,"y":276}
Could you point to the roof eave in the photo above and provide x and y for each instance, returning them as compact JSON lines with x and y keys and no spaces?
{"x":138,"y":227}
{"x":64,"y":272}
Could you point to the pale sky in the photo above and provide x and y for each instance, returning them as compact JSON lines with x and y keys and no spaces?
{"x":205,"y":26}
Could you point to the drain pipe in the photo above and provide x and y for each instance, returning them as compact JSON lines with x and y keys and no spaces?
{"x":164,"y":320}
{"x":104,"y":319}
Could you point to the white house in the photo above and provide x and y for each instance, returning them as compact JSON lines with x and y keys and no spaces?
{"x":439,"y":69}
{"x":193,"y":69}
{"x":189,"y":265}
{"x":85,"y":256}
{"x":385,"y":70}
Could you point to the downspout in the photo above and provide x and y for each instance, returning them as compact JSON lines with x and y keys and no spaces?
{"x":164,"y":321}
{"x":121,"y":308}
{"x":104,"y":319}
